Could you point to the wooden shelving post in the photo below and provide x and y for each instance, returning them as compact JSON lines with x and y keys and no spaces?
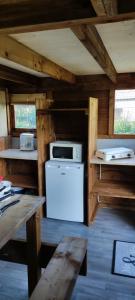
{"x":92,"y":174}
{"x":45,"y":134}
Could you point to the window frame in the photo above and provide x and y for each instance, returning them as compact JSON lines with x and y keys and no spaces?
{"x":15,"y":132}
{"x":111,"y":133}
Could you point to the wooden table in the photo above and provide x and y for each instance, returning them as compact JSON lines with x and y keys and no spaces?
{"x":26,"y":211}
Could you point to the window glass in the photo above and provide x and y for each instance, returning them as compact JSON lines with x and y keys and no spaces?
{"x":25,"y":116}
{"x":124,"y":117}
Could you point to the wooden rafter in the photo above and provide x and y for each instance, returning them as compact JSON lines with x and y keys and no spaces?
{"x":29,"y":16}
{"x":105,"y":7}
{"x":111,"y":7}
{"x":14,"y":51}
{"x":99,"y":7}
{"x":90,"y":38}
{"x":16,"y":76}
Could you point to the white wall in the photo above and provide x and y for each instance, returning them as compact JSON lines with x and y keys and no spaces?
{"x":3,"y":117}
{"x":112,"y":143}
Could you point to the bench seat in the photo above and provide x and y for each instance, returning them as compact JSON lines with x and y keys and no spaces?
{"x":58,"y":279}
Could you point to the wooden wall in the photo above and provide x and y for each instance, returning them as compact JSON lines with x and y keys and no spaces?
{"x":97,"y":86}
{"x":3,"y":119}
{"x":80,"y":99}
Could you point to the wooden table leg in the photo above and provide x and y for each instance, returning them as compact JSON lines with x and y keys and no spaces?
{"x":34,"y":246}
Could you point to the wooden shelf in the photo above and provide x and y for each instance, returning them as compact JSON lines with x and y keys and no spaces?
{"x":115,"y":162}
{"x":17,"y":154}
{"x":22,"y":181}
{"x":114,"y":189}
{"x":62,"y":110}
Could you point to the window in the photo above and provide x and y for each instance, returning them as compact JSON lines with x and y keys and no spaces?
{"x":24,"y":116}
{"x":124,"y":115}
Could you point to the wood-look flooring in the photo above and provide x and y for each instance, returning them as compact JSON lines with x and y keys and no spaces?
{"x":109,"y":225}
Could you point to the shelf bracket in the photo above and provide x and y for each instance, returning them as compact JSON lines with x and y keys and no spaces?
{"x":98,"y":199}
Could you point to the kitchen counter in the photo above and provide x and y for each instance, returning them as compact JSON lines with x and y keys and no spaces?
{"x":18,"y":154}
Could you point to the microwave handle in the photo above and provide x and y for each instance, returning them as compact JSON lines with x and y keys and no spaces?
{"x":51,"y":152}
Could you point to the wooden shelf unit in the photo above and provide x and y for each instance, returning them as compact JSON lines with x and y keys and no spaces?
{"x":21,"y":172}
{"x":24,"y":181}
{"x":116,"y":189}
{"x":52,"y":123}
{"x":115,"y":186}
{"x":76,"y":123}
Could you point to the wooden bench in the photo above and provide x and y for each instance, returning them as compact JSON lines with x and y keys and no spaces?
{"x":58,"y":279}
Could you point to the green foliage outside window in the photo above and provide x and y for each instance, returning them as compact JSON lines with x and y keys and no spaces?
{"x":124,"y":127}
{"x":124,"y":117}
{"x":25,"y":116}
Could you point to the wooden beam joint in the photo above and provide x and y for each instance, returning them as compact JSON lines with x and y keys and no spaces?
{"x":105,"y":7}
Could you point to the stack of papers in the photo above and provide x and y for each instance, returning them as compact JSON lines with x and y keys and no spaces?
{"x":5,"y":193}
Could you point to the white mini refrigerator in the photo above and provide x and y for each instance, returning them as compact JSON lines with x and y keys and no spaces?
{"x":65,"y":190}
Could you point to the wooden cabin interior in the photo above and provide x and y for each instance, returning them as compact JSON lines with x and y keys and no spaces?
{"x":67,"y":77}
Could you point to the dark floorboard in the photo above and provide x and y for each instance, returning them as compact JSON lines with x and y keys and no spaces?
{"x":99,"y":283}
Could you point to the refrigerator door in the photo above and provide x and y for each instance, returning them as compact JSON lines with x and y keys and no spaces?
{"x":64,"y":191}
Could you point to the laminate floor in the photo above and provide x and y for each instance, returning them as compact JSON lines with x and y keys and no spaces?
{"x":109,"y":225}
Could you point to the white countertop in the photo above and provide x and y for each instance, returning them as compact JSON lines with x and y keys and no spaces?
{"x":120,"y":162}
{"x":18,"y":154}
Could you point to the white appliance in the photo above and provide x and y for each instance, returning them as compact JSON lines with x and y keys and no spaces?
{"x":27,"y":141}
{"x":66,"y":151}
{"x":114,"y":153}
{"x":65,"y":190}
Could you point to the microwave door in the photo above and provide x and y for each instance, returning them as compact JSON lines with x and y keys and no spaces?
{"x":63,"y":152}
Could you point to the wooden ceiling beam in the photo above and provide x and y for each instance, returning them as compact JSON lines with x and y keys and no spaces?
{"x":29,"y":16}
{"x":18,"y":53}
{"x":90,"y":38}
{"x":105,"y":7}
{"x":111,"y":7}
{"x":10,"y":74}
{"x":99,"y":7}
{"x":84,"y":85}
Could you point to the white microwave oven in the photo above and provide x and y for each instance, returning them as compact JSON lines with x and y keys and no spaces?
{"x":66,"y":151}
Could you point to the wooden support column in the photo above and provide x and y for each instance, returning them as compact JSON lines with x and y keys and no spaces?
{"x":45,"y":134}
{"x":4,"y":143}
{"x":42,"y":154}
{"x":92,"y":174}
{"x":34,"y":246}
{"x":111,"y":112}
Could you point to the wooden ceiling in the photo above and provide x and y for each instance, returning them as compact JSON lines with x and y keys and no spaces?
{"x":66,"y":38}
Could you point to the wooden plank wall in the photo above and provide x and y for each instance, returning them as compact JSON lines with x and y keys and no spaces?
{"x":80,"y":99}
{"x":3,"y":119}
